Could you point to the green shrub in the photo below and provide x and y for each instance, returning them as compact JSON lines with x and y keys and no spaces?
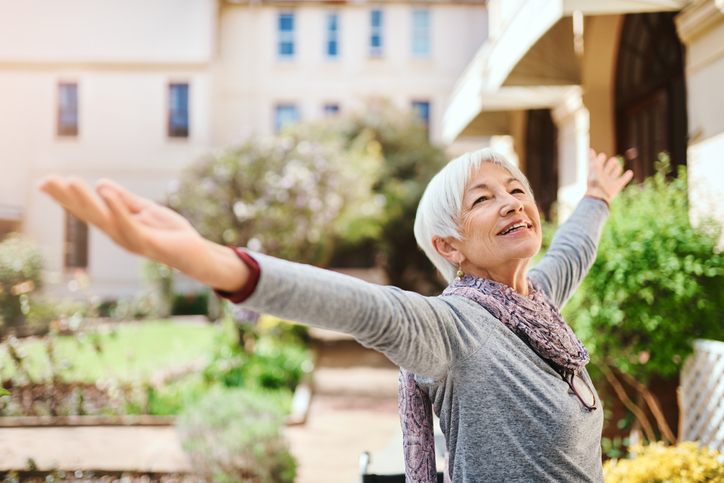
{"x":191,"y":304}
{"x":21,"y":264}
{"x":657,"y":283}
{"x":234,"y":435}
{"x":172,"y":397}
{"x":683,"y":463}
{"x":272,"y":355}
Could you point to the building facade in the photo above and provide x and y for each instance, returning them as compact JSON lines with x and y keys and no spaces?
{"x":626,"y":77}
{"x":135,"y":90}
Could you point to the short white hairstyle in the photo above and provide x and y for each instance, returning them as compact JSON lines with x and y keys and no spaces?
{"x":440,"y":210}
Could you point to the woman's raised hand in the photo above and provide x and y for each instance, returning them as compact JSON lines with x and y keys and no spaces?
{"x":146,"y":228}
{"x":605,"y":177}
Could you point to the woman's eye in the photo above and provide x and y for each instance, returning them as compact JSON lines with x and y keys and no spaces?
{"x":482,"y":198}
{"x":517,"y":190}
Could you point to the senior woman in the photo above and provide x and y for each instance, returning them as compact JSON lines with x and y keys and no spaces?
{"x":504,"y":373}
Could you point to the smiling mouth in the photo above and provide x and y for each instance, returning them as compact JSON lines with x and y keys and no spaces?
{"x":515,"y":227}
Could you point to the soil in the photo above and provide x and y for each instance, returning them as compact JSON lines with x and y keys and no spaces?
{"x":66,"y":399}
{"x":89,"y":476}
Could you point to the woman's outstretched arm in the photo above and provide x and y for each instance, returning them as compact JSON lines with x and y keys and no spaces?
{"x":149,"y":229}
{"x":419,"y":333}
{"x":575,"y":244}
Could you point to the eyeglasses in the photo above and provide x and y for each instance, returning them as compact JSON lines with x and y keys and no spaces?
{"x":580,"y":388}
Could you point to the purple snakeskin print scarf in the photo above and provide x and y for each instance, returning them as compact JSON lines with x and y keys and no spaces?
{"x":535,"y":319}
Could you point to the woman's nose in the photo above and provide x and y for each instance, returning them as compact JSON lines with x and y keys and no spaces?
{"x":510,"y":204}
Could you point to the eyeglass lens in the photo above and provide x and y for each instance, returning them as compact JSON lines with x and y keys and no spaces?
{"x":583,"y":391}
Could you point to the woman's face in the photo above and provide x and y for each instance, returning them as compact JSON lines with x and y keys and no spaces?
{"x":500,"y":223}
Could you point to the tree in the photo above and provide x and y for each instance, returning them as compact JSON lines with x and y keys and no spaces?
{"x":657,"y":284}
{"x":410,"y":162}
{"x":291,"y":196}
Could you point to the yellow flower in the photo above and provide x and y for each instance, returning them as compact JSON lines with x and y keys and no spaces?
{"x":683,"y":463}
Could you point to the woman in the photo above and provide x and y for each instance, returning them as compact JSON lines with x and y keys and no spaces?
{"x":492,"y":353}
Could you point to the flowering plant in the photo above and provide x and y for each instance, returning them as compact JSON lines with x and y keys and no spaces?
{"x":683,"y":463}
{"x":289,"y":196}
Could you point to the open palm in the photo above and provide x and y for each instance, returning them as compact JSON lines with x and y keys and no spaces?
{"x":137,"y":224}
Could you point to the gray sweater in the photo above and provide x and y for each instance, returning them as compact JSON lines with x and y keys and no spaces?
{"x":506,"y":415}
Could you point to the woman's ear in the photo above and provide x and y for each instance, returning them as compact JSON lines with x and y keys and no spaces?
{"x":448,"y":249}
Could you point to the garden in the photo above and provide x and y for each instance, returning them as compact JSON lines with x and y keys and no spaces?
{"x":329,"y":195}
{"x":344,"y":196}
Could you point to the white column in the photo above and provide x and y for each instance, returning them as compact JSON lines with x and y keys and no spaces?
{"x":705,"y":167}
{"x":572,"y":119}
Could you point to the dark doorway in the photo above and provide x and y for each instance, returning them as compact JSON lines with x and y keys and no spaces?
{"x":650,"y":93}
{"x":542,"y":159}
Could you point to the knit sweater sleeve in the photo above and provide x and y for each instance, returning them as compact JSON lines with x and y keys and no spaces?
{"x":572,"y":251}
{"x":418,"y":333}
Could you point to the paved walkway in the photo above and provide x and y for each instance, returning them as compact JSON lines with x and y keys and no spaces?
{"x":354,"y":409}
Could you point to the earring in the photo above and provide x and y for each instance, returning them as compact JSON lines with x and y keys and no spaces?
{"x":461,"y":274}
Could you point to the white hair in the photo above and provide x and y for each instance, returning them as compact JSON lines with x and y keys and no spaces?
{"x":440,"y":210}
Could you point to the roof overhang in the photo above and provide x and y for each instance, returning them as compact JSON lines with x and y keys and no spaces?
{"x":534,"y":49}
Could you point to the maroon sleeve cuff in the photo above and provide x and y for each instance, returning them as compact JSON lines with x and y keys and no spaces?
{"x":244,"y":292}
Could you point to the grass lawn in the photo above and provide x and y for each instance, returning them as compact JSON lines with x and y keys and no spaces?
{"x":129,"y":351}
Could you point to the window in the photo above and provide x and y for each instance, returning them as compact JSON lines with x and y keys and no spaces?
{"x":67,"y":109}
{"x":286,"y":35}
{"x":420,"y":33}
{"x":76,"y":242}
{"x":332,"y":35}
{"x":331,"y":110}
{"x":178,"y":111}
{"x":422,"y":111}
{"x":376,"y":33}
{"x":285,"y":114}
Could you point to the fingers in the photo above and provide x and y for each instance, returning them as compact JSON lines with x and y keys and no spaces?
{"x":624,"y":180}
{"x":127,"y":233}
{"x":93,"y":210}
{"x":57,"y":188}
{"x":133,"y":202}
{"x":75,"y":196}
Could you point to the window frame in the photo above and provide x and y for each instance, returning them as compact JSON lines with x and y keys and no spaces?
{"x":181,"y":130}
{"x":416,"y":104}
{"x":286,"y":36}
{"x":332,"y":35}
{"x":377,"y":31}
{"x":420,"y":34}
{"x":331,"y":109}
{"x":76,"y":242}
{"x":62,"y":129}
{"x":279,"y":124}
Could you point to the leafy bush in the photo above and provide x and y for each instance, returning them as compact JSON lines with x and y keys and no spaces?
{"x":21,"y":264}
{"x":191,"y":304}
{"x":289,"y":196}
{"x":683,"y":463}
{"x":271,"y":354}
{"x":172,"y":397}
{"x":234,"y":435}
{"x":657,"y":283}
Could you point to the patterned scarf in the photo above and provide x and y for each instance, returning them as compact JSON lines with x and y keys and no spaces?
{"x":535,"y":319}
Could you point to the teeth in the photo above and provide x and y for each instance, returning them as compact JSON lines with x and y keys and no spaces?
{"x":515,"y":227}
